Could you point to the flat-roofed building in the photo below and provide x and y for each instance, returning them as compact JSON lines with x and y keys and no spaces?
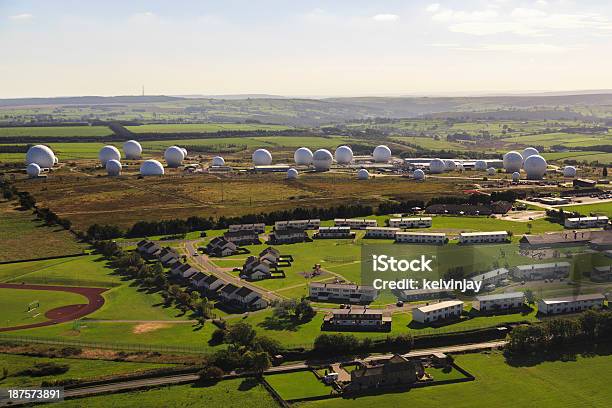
{"x":414,"y":295}
{"x":299,"y":224}
{"x":449,"y":309}
{"x":493,"y":277}
{"x":587,"y":222}
{"x":259,"y":228}
{"x":499,"y":302}
{"x":483,"y":237}
{"x":553,"y":270}
{"x":437,"y":238}
{"x":349,"y":293}
{"x":381,"y":232}
{"x":355,"y":223}
{"x":416,"y":222}
{"x":354,"y":318}
{"x":334,"y":232}
{"x":570,"y":304}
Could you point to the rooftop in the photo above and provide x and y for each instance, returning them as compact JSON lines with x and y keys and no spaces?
{"x":439,"y":305}
{"x":498,"y":296}
{"x":577,"y":298}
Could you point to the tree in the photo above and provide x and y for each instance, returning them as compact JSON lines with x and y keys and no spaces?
{"x":240,"y":334}
{"x":260,"y":362}
{"x":604,"y":172}
{"x":211,"y":373}
{"x":270,"y":346}
{"x":530,"y":296}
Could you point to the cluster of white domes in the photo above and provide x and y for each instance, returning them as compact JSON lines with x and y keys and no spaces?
{"x":363,"y":174}
{"x":303,"y":156}
{"x":343,"y":155}
{"x":151,"y":168}
{"x":262,"y":157}
{"x":292,"y":174}
{"x":108,"y":153}
{"x":381,"y":154}
{"x":322,"y":160}
{"x":513,"y":161}
{"x":132,"y":150}
{"x":41,"y":155}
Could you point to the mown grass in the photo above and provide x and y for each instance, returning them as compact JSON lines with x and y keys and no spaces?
{"x":588,"y":209}
{"x":296,"y":385}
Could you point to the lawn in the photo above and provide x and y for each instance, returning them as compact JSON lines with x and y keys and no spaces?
{"x":23,"y":236}
{"x":54,"y":131}
{"x":236,"y":393}
{"x":580,"y":383}
{"x":297,"y":385}
{"x":14,"y":305}
{"x":587,"y":209}
{"x":79,"y":369}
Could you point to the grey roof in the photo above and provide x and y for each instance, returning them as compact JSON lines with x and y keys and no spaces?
{"x":577,"y":298}
{"x":500,"y":296}
{"x":542,"y":266}
{"x":490,"y":274}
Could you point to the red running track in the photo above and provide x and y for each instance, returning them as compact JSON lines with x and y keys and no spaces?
{"x":61,"y":314}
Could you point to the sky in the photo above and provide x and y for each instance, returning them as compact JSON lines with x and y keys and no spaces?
{"x":303,"y":48}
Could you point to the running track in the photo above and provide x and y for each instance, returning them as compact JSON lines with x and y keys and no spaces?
{"x":61,"y":314}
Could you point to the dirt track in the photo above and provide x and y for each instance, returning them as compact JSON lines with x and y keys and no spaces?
{"x":61,"y":314}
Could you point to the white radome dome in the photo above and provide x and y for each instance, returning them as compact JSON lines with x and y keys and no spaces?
{"x":262,"y":157}
{"x":218,"y":161}
{"x":303,"y":156}
{"x":109,"y":153}
{"x":516,"y":176}
{"x":33,"y":170}
{"x":381,"y":154}
{"x":450,"y":165}
{"x":491,"y":171}
{"x":343,"y":155}
{"x":363,"y":174}
{"x":322,"y":160}
{"x":513,"y":161}
{"x":530,"y":151}
{"x":535,"y":167}
{"x":480,"y":165}
{"x":437,"y":166}
{"x":55,"y":160}
{"x":113,"y":167}
{"x":41,"y":155}
{"x":292,"y":174}
{"x":569,"y":171}
{"x":174,"y":156}
{"x":184,"y":152}
{"x":418,"y":174}
{"x":151,"y":168}
{"x":132,"y":150}
{"x":459,"y":166}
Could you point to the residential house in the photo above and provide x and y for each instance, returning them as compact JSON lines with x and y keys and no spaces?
{"x":417,"y":222}
{"x":435,"y":238}
{"x":334,"y":233}
{"x":396,"y":371}
{"x":483,"y":237}
{"x":449,"y":309}
{"x":341,"y":292}
{"x":357,"y":319}
{"x":570,"y":304}
{"x":499,"y":302}
{"x":553,"y":270}
{"x":381,"y":232}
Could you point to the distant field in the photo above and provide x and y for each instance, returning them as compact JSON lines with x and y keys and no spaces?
{"x":579,"y":156}
{"x":240,"y":392}
{"x":23,"y":236}
{"x":587,"y":209}
{"x":55,"y":131}
{"x":202,"y":127}
{"x":566,"y":139}
{"x":497,"y":384}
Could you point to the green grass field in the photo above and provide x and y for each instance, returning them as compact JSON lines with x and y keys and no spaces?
{"x":23,"y":236}
{"x":236,"y":393}
{"x":79,"y":369}
{"x":15,"y":303}
{"x":202,"y":127}
{"x":571,"y":384}
{"x":300,"y":384}
{"x":54,"y":131}
{"x":587,"y":209}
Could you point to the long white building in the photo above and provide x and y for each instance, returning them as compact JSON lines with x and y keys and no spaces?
{"x":449,"y":309}
{"x":587,"y":222}
{"x":381,"y":232}
{"x":418,"y":222}
{"x":355,"y":223}
{"x":258,"y":228}
{"x":493,"y":277}
{"x":342,"y":292}
{"x":498,"y":302}
{"x":553,"y":270}
{"x":334,"y":232}
{"x":298,"y":224}
{"x":483,"y":237}
{"x":570,"y":304}
{"x":437,"y":238}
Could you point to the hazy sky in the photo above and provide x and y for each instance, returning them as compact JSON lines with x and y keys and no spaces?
{"x":296,"y":47}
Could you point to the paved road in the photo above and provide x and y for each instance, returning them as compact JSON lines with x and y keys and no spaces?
{"x":190,"y":378}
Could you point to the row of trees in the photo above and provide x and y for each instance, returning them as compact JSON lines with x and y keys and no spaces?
{"x":552,"y":334}
{"x":343,"y":344}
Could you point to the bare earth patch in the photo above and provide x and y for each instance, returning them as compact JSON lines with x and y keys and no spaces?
{"x":148,"y":327}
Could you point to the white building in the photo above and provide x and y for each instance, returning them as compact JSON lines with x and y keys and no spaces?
{"x":493,"y":277}
{"x":355,"y":223}
{"x":483,"y":237}
{"x":413,"y":295}
{"x":587,"y":222}
{"x":259,"y":228}
{"x":570,"y":304}
{"x":334,"y":232}
{"x":418,"y":222}
{"x":288,"y":236}
{"x":449,"y":309}
{"x":554,"y":270}
{"x":247,"y":299}
{"x":437,"y":238}
{"x":358,"y":319}
{"x":602,"y":273}
{"x":342,"y":292}
{"x":501,"y":301}
{"x":381,"y":232}
{"x":298,"y":224}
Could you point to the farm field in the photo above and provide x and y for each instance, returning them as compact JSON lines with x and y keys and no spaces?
{"x":580,"y":156}
{"x":203,"y":127}
{"x":23,"y":236}
{"x":498,"y":384}
{"x":240,"y":392}
{"x":300,"y":384}
{"x":54,"y":131}
{"x":79,"y":369}
{"x":14,"y":304}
